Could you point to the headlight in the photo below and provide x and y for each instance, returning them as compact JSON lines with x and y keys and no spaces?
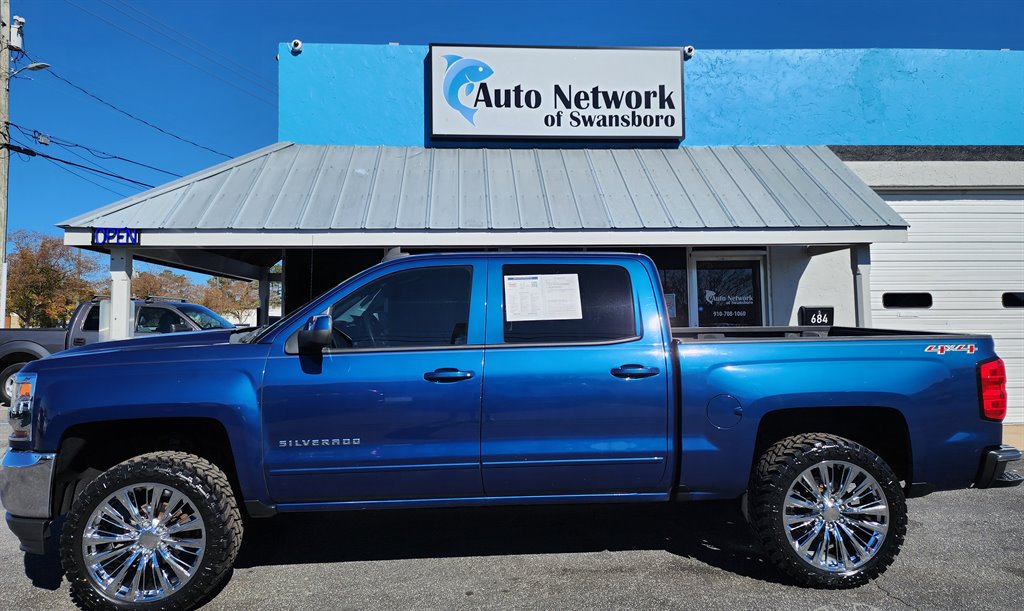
{"x":20,"y":414}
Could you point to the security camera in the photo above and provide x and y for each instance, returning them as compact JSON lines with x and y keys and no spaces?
{"x":296,"y":46}
{"x":688,"y":51}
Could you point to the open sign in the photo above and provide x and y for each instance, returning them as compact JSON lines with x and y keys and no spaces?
{"x":115,"y":235}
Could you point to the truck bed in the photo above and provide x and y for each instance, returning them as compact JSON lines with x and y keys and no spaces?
{"x":52,"y":338}
{"x":926,"y":383}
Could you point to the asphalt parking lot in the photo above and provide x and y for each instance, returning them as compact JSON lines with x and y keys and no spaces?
{"x":965,"y":550}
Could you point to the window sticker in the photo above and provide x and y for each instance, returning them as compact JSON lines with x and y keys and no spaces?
{"x":670,"y":303}
{"x":543,"y":297}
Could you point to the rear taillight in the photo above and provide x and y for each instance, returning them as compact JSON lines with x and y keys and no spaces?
{"x":992,"y":389}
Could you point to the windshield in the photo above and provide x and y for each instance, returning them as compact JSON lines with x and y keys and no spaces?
{"x":204,"y":317}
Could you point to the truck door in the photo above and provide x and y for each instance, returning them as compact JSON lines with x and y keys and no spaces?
{"x":392,"y":409}
{"x":86,"y":332}
{"x":576,"y":392}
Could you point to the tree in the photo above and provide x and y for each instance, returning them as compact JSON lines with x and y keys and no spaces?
{"x":164,"y":284}
{"x":275,"y":288}
{"x":235,"y":298}
{"x":46,"y":279}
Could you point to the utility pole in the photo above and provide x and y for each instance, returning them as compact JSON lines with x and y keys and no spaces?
{"x":5,"y":138}
{"x":10,"y":40}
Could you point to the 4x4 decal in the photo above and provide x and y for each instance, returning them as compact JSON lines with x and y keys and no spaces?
{"x":944,"y":348}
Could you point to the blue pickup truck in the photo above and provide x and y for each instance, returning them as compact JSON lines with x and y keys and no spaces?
{"x":491,"y":379}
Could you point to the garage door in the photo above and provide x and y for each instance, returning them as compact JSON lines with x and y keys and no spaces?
{"x":961,"y":270}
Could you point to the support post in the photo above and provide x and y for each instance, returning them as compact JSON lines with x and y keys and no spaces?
{"x":263,"y":311}
{"x":860,"y":259}
{"x":121,"y":320}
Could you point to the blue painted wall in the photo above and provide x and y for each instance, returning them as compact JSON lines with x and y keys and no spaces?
{"x":375,"y":94}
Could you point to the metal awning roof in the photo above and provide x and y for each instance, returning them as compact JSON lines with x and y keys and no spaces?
{"x":295,"y":195}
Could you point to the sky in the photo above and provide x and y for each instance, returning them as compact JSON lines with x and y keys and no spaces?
{"x":206,"y":70}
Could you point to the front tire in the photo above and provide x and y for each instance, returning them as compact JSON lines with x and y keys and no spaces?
{"x":829,"y":512}
{"x":158,"y":531}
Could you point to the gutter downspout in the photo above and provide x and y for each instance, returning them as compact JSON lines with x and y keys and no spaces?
{"x":860,"y":260}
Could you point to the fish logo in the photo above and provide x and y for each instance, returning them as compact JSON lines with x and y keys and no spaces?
{"x":463,"y":72}
{"x":710,"y":296}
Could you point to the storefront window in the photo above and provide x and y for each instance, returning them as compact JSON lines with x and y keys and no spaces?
{"x":673,"y":282}
{"x":729,"y":293}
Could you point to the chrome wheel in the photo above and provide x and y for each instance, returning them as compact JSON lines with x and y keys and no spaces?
{"x":835,"y":516}
{"x":143,"y":543}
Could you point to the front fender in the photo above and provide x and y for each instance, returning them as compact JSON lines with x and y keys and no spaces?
{"x":221,"y":383}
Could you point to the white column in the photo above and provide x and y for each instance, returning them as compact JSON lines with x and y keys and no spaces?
{"x":263,"y":312}
{"x":121,"y":322}
{"x":860,"y":258}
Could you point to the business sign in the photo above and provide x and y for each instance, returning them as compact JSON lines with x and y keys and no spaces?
{"x":104,"y":236}
{"x":543,"y":92}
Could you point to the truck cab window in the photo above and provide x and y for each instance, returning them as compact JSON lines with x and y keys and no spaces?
{"x":426,"y":306}
{"x":159,"y":320}
{"x":92,"y":319}
{"x":605,"y":305}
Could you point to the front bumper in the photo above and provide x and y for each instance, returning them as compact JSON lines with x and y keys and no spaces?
{"x":26,"y":485}
{"x":993,"y":473}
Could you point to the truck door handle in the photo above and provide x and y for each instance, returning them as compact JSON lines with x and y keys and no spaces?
{"x":447,"y":374}
{"x":78,"y":341}
{"x":631,"y":371}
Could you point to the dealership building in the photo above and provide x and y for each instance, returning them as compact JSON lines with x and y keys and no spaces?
{"x":851,"y":187}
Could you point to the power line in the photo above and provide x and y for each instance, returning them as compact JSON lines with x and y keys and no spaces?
{"x":77,"y":175}
{"x":34,"y":153}
{"x":174,"y":55}
{"x":130,"y":115}
{"x":86,"y":179}
{"x":115,"y":181}
{"x":188,"y":37}
{"x":195,"y":45}
{"x":36,"y":137}
{"x":67,"y":144}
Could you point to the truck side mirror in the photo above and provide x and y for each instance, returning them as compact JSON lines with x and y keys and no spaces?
{"x":180,"y":328}
{"x":316,"y":335}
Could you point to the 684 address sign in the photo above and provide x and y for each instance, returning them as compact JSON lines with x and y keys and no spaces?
{"x":817,"y":316}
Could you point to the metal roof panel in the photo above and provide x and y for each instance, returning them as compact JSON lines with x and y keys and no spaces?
{"x":351,"y":208}
{"x":502,"y":196}
{"x":443,"y":199}
{"x":382,"y":211}
{"x":327,"y":188}
{"x":618,"y":199}
{"x":559,"y":197}
{"x":531,"y":197}
{"x":412,"y":207}
{"x":319,"y":188}
{"x":472,"y":190}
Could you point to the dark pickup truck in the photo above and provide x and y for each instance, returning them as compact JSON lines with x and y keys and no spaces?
{"x":152,"y":315}
{"x":491,"y":379}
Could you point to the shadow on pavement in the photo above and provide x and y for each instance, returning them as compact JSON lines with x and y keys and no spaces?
{"x":46,"y":571}
{"x":712,"y":533}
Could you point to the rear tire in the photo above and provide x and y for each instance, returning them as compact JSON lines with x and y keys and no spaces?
{"x":160,"y":530}
{"x":829,"y":512}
